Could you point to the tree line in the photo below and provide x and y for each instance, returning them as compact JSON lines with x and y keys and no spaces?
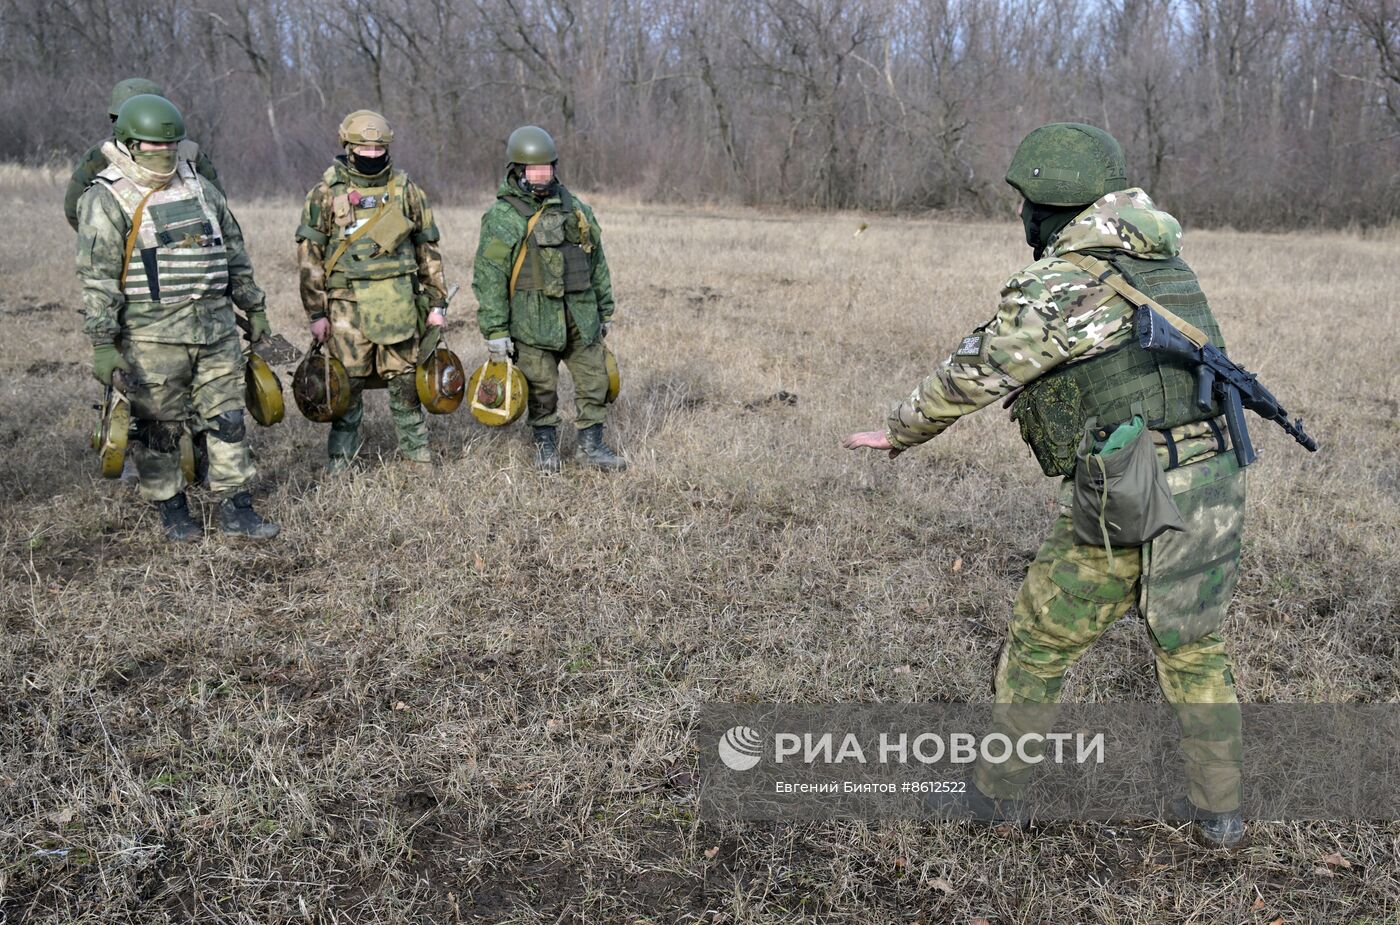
{"x":1252,"y":113}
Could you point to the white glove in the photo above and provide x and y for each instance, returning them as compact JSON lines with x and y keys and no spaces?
{"x":500,"y":347}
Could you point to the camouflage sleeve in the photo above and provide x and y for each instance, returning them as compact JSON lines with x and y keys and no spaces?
{"x":1031,"y":334}
{"x":313,"y":234}
{"x":426,"y":246}
{"x":495,"y":251}
{"x":102,"y":231}
{"x":602,"y":277}
{"x":84,"y":175}
{"x":205,"y":167}
{"x":244,"y":291}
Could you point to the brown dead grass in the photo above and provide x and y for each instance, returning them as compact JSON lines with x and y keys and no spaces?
{"x":466,"y":696}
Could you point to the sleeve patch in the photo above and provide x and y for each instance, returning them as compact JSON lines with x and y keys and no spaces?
{"x":971,"y":346}
{"x":496,"y":251}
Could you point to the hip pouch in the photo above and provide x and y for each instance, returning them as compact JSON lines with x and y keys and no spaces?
{"x":1121,"y":496}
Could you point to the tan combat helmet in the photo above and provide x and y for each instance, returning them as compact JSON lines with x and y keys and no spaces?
{"x":365,"y":127}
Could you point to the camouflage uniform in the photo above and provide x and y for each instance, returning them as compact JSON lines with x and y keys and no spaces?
{"x":1054,"y":314}
{"x":561,"y":300}
{"x":94,"y":161}
{"x":173,"y":317}
{"x":376,"y":298}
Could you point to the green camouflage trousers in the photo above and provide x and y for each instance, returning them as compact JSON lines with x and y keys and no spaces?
{"x":1073,"y":593}
{"x":540,"y":368}
{"x":410,"y":422}
{"x":170,"y":384}
{"x":395,"y":365}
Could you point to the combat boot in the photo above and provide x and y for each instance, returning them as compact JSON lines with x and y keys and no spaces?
{"x":592,"y":451}
{"x":546,"y":441}
{"x":236,"y":515}
{"x":175,"y":517}
{"x":1210,"y":829}
{"x":343,"y":443}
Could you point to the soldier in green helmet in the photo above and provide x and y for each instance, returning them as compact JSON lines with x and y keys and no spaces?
{"x":162,"y":265}
{"x":94,"y":161}
{"x":372,"y":281}
{"x":1061,"y":351}
{"x":544,"y":295}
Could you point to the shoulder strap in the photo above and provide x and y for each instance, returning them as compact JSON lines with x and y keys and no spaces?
{"x":364,"y":229}
{"x":1107,"y":274}
{"x":520,"y":257}
{"x":520,"y":205}
{"x":131,"y":237}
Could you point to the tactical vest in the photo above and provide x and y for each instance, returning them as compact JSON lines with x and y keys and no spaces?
{"x":557,"y":249}
{"x":179,"y":251}
{"x":383,"y":251}
{"x":1053,"y":410}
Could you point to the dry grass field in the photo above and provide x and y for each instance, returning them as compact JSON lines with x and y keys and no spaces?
{"x":466,"y":696}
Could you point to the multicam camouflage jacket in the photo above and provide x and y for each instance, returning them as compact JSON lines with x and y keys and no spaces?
{"x":94,"y":162}
{"x":102,"y":235}
{"x":535,"y":315}
{"x":1051,"y":313}
{"x":317,"y":233}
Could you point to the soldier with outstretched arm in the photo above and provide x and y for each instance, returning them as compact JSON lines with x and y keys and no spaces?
{"x":1061,"y":349}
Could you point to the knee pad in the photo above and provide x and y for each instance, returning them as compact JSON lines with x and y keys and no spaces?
{"x":228,"y":427}
{"x":159,"y":436}
{"x":404,"y":387}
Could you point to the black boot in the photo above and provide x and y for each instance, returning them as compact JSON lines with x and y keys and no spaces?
{"x":592,"y":451}
{"x":546,"y":441}
{"x":175,"y":518}
{"x":1211,"y":829}
{"x":236,"y":515}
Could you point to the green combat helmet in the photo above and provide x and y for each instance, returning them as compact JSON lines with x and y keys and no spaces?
{"x":1067,"y":164}
{"x":148,"y":117}
{"x":126,"y":89}
{"x":530,"y":144}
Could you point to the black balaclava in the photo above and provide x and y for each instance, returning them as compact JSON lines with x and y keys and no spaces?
{"x":1044,"y":222}
{"x":369,"y":166}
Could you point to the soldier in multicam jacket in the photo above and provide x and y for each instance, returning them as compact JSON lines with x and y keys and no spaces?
{"x":372,"y":281}
{"x":544,"y":293}
{"x":1061,"y":347}
{"x":94,"y":161}
{"x":162,"y":265}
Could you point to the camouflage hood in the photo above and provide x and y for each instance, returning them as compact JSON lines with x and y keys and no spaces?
{"x":120,"y":157}
{"x":1127,"y":221}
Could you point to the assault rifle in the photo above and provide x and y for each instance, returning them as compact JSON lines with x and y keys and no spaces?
{"x":1218,"y":376}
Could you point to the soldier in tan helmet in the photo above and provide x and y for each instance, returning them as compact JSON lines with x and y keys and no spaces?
{"x":371,"y":280}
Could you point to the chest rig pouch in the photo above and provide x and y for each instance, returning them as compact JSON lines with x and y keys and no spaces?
{"x":557,"y":250}
{"x":372,"y":256}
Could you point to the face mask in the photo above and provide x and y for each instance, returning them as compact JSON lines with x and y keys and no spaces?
{"x":160,"y":162}
{"x":369,"y":166}
{"x":1042,"y":223}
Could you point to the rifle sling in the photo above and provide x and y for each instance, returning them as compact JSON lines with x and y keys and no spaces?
{"x":131,"y":237}
{"x":520,"y":257}
{"x":1107,"y":274}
